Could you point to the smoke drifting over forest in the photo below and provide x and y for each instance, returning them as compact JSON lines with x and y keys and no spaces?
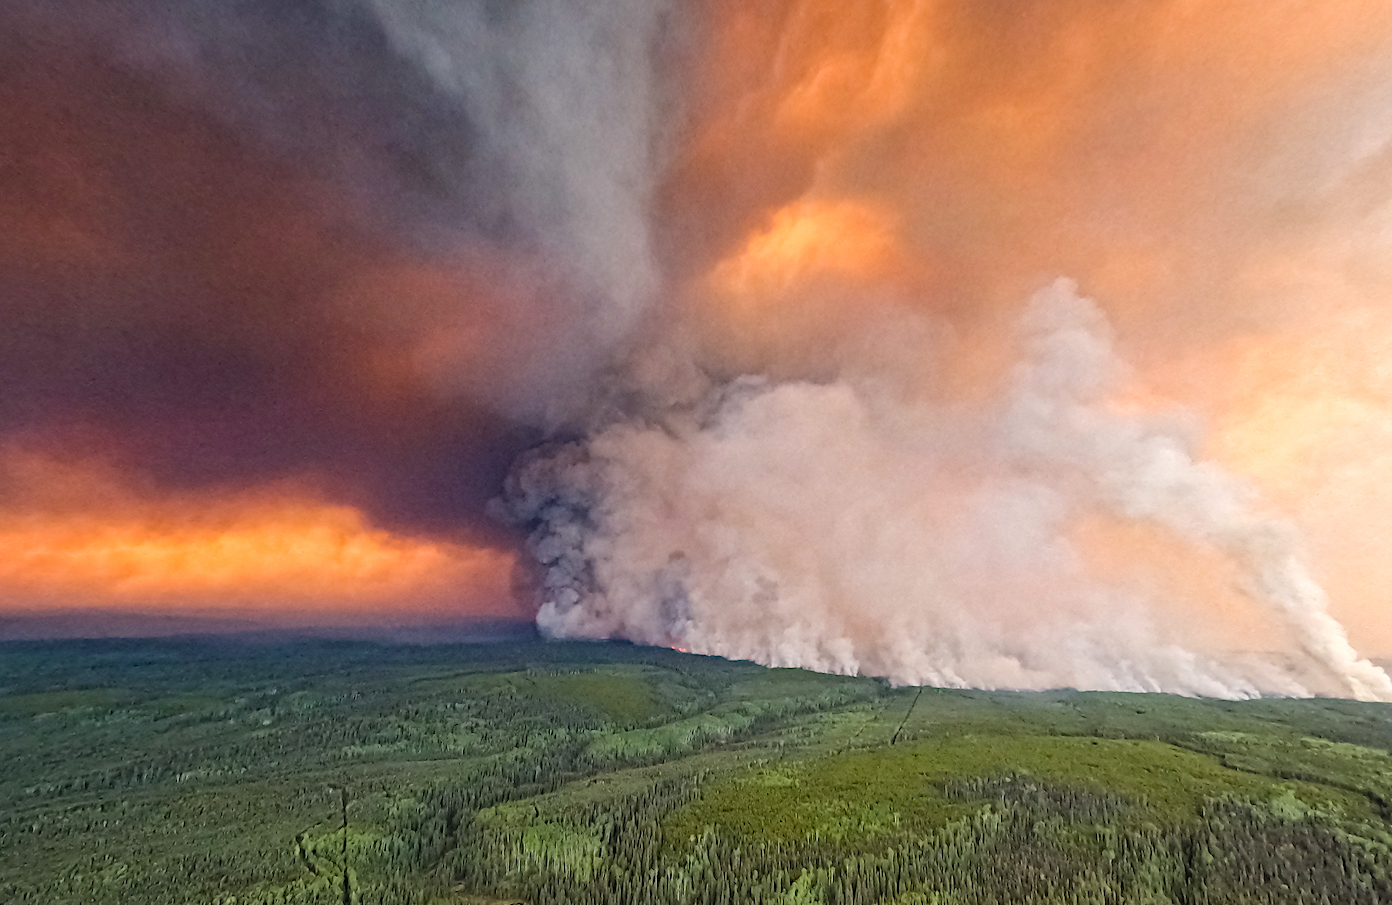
{"x":1016,"y":345}
{"x":840,"y":527}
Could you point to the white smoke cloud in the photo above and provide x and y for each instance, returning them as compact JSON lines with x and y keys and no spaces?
{"x":840,"y":527}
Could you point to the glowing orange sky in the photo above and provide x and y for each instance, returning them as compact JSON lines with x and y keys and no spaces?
{"x":1217,"y":175}
{"x":82,"y":539}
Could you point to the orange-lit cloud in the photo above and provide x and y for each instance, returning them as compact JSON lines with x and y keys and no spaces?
{"x":1217,"y":175}
{"x":807,"y":241}
{"x":77,"y":537}
{"x":1109,"y":140}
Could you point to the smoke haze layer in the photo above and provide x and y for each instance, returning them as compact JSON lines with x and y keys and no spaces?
{"x":734,"y":312}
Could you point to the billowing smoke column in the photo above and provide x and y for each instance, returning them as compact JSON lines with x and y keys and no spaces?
{"x":1139,"y":471}
{"x":805,"y":501}
{"x":841,"y":527}
{"x":763,"y":274}
{"x":559,"y":171}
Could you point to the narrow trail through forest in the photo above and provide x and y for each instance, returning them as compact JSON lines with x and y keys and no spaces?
{"x":907,"y":713}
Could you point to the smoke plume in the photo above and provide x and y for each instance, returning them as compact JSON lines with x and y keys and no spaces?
{"x":768,"y":471}
{"x":838,"y":527}
{"x":560,"y":99}
{"x":733,"y":311}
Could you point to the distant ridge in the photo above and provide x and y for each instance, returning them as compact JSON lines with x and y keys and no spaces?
{"x":72,"y":624}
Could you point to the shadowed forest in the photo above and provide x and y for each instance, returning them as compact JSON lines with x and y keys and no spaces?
{"x":345,"y":772}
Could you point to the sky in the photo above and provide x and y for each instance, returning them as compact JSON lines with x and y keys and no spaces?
{"x":732,"y":327}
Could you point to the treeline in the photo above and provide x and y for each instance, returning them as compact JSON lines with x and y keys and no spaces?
{"x":468,"y":780}
{"x":1030,"y":842}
